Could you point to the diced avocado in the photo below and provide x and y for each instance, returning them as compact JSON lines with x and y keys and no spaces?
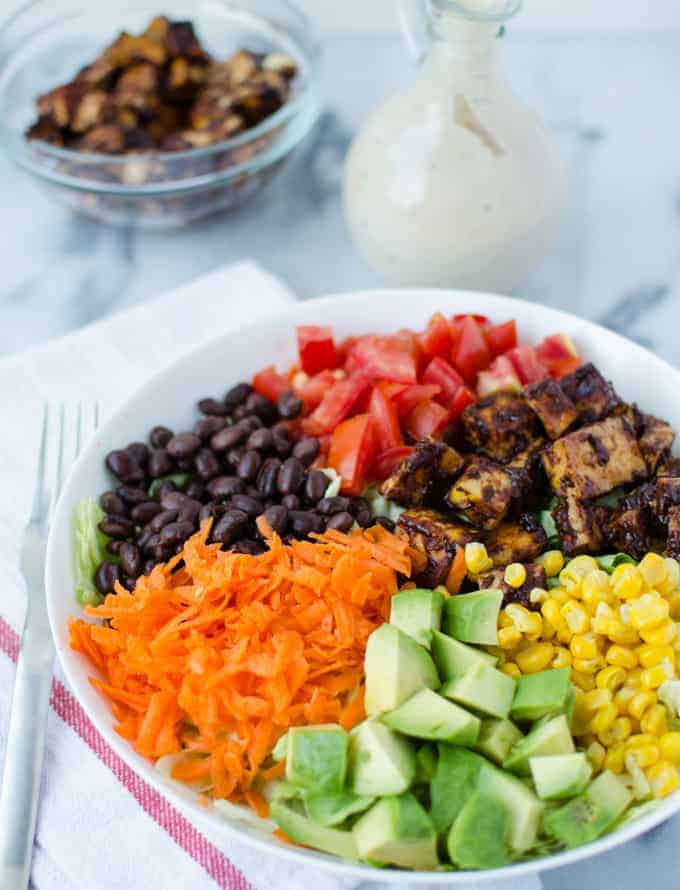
{"x":430,"y":716}
{"x":418,"y":613}
{"x":454,"y":658}
{"x":557,"y":776}
{"x":473,"y":617}
{"x":398,"y":831}
{"x":396,"y":668}
{"x":542,"y":694}
{"x":303,"y":831}
{"x":280,"y":748}
{"x":552,"y":736}
{"x":496,"y":738}
{"x":286,"y":791}
{"x":477,"y":837}
{"x":590,"y":814}
{"x":426,"y":763}
{"x":524,"y":809}
{"x":454,"y":782}
{"x":316,"y":757}
{"x":483,"y":688}
{"x":333,"y":809}
{"x":381,"y":762}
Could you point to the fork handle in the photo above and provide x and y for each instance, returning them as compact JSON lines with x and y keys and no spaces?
{"x":24,"y":758}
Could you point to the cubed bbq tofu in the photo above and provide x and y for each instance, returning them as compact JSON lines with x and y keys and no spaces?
{"x":535,"y":578}
{"x":669,"y":467}
{"x":428,"y":471}
{"x":673,"y":538}
{"x":554,"y":408}
{"x":667,"y":495}
{"x":580,"y":525}
{"x":655,"y":441}
{"x":595,"y":459}
{"x":593,"y":396}
{"x":499,"y":426}
{"x":516,"y":541}
{"x":482,"y":493}
{"x":526,"y":474}
{"x":629,"y":530}
{"x":437,"y":537}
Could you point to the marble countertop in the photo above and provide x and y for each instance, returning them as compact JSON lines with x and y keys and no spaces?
{"x":612,"y":103}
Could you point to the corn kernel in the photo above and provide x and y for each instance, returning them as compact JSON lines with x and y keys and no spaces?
{"x":660,"y":635}
{"x":623,"y":697}
{"x":604,"y":718}
{"x":649,"y":656}
{"x":674,"y":604}
{"x":641,"y":738}
{"x":576,"y":617}
{"x":476,"y":558}
{"x":655,"y":720}
{"x":583,"y":681}
{"x":669,"y":746}
{"x":595,"y":753}
{"x":511,"y":669}
{"x":634,"y":677}
{"x":626,"y":581}
{"x":562,"y":658}
{"x":653,"y":569}
{"x":596,"y":698}
{"x":621,"y":635}
{"x":645,"y":755}
{"x":521,"y":616}
{"x":622,"y":729}
{"x":614,"y":758}
{"x":653,"y":677}
{"x":551,"y":612}
{"x":509,"y":637}
{"x":640,"y":703}
{"x":596,"y":581}
{"x":561,"y":595}
{"x":538,"y":595}
{"x":515,"y":574}
{"x":621,"y":657}
{"x":663,"y":778}
{"x":584,"y":646}
{"x":552,"y":562}
{"x":535,"y":658}
{"x":611,"y":677}
{"x":548,"y":631}
{"x":504,"y":620}
{"x":672,"y":567}
{"x":639,"y":785}
{"x":581,"y":566}
{"x":648,"y":611}
{"x":589,"y":665}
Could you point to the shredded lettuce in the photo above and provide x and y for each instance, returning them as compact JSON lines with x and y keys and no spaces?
{"x":380,"y":505}
{"x":546,"y":519}
{"x":180,"y":480}
{"x":612,"y":498}
{"x":611,"y":560}
{"x":334,"y":482}
{"x":89,"y":550}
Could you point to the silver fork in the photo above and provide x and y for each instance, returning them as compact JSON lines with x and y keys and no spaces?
{"x":64,"y":432}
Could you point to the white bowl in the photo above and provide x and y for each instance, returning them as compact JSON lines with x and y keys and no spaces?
{"x":169,"y":398}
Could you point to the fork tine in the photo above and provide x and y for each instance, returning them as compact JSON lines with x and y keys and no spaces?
{"x":38,"y":506}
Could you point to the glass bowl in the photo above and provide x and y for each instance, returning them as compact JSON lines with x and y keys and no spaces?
{"x":47,"y":41}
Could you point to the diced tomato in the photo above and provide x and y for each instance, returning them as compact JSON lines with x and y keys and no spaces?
{"x":384,"y":358}
{"x":527,"y":364}
{"x":342,"y":349}
{"x":316,"y":348}
{"x":269,"y":383}
{"x":437,"y":339}
{"x":499,"y":377}
{"x":559,"y":354}
{"x":387,"y":462}
{"x":312,"y":389}
{"x":463,"y":398}
{"x":440,"y":373}
{"x":352,"y":452}
{"x":392,"y":390}
{"x":471,"y":353}
{"x":387,"y":428}
{"x":338,"y":403}
{"x":482,"y":320}
{"x":426,"y":419}
{"x":411,"y":396}
{"x":502,"y":337}
{"x":565,"y":366}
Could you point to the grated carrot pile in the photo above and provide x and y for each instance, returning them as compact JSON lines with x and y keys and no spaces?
{"x":217,"y":653}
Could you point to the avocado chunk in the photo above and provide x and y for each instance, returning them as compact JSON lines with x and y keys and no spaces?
{"x":557,"y":776}
{"x":542,"y":694}
{"x":426,"y":763}
{"x":483,"y":688}
{"x":550,"y":737}
{"x":333,"y":809}
{"x":381,"y":762}
{"x":316,"y":757}
{"x":455,"y":780}
{"x":396,"y":668}
{"x":303,"y":831}
{"x":280,"y":749}
{"x":523,"y":808}
{"x":589,"y":815}
{"x":398,"y":831}
{"x":430,"y":716}
{"x":417,"y":613}
{"x":473,"y":617}
{"x":454,"y":658}
{"x":496,"y":738}
{"x":477,"y":837}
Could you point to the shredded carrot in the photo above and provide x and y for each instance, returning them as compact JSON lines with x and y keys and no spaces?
{"x":218,"y":653}
{"x":457,"y":572}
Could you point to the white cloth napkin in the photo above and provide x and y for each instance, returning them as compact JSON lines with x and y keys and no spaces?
{"x":100,"y":825}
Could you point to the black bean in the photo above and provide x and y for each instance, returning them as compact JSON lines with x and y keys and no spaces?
{"x":131,"y":560}
{"x":265,"y":410}
{"x":357,"y":505}
{"x":289,"y":405}
{"x":138,"y":451}
{"x":144,"y":537}
{"x":364,"y":518}
{"x":260,"y":439}
{"x":224,"y":487}
{"x":291,"y":502}
{"x":342,"y":522}
{"x":233,"y":457}
{"x":239,"y":412}
{"x":306,"y":450}
{"x":253,"y":492}
{"x":282,"y":428}
{"x":152,"y":544}
{"x":237,"y":394}
{"x":160,"y":436}
{"x":106,"y":576}
{"x":251,"y":423}
{"x":315,"y":486}
{"x":228,"y":437}
{"x":165,"y":489}
{"x":132,"y":496}
{"x":145,"y":512}
{"x":282,"y":444}
{"x":252,"y":507}
{"x":176,"y":533}
{"x":266,"y":478}
{"x":113,"y":547}
{"x":386,"y":522}
{"x":124,"y":466}
{"x":195,"y":490}
{"x":160,"y":463}
{"x":117,"y":527}
{"x":211,"y":510}
{"x":110,"y":502}
{"x":185,"y":464}
{"x":208,"y":426}
{"x":250,"y":548}
{"x":290,"y":476}
{"x":161,"y":552}
{"x":249,"y":466}
{"x":173,"y":500}
{"x":162,"y":519}
{"x":330,"y":506}
{"x":304,"y":521}
{"x":207,"y":464}
{"x":127,"y":582}
{"x":183,"y":445}
{"x":149,"y":566}
{"x":212,"y":407}
{"x":228,"y":527}
{"x":189,"y":511}
{"x":277,"y":517}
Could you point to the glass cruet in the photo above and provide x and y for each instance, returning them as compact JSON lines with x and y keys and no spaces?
{"x":454,"y":182}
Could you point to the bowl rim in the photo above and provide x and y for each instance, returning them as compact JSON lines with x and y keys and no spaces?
{"x":33,"y":155}
{"x":284,"y":317}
